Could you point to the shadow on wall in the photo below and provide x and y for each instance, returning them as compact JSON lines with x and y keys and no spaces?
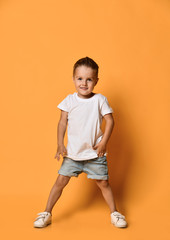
{"x":120,"y":159}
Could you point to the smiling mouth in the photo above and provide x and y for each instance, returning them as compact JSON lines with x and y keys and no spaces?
{"x":83,"y":88}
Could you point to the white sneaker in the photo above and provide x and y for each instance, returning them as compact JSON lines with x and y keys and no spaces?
{"x":43,"y":220}
{"x":118,"y":219}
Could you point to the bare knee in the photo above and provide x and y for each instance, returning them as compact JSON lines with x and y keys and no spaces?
{"x":62,"y":181}
{"x":102,"y":183}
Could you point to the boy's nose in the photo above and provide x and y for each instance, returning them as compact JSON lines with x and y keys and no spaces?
{"x":84,"y":83}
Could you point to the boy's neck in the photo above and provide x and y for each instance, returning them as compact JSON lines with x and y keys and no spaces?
{"x":88,"y":96}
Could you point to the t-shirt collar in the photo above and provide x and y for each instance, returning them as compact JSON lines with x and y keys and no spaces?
{"x":83,"y":99}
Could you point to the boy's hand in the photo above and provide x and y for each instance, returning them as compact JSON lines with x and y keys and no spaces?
{"x":101,"y":148}
{"x":60,"y":150}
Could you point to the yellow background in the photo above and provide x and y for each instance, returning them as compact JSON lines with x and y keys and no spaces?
{"x":39,"y":43}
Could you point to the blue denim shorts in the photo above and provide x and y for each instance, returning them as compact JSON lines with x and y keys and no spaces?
{"x":95,"y":168}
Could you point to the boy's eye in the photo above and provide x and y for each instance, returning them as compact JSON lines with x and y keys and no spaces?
{"x":89,"y":79}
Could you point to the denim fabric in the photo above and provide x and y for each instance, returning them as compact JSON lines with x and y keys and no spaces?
{"x":95,"y":168}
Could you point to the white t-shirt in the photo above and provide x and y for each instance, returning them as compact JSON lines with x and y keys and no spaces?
{"x":84,"y":121}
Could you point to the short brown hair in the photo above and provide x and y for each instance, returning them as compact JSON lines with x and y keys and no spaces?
{"x":88,"y":62}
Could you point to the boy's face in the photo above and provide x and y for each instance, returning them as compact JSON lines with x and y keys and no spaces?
{"x":84,"y":80}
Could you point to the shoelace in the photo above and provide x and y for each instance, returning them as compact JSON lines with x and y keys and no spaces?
{"x":119,"y":215}
{"x":42,"y":215}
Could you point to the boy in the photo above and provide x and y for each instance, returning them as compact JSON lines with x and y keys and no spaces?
{"x":86,"y":147}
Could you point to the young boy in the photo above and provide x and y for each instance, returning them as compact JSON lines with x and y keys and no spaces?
{"x":86,"y":147}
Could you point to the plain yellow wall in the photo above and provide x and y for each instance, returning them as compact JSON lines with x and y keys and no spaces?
{"x":40,"y":42}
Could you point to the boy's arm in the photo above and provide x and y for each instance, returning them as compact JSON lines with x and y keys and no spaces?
{"x":108,"y":127}
{"x":101,"y":146}
{"x":61,"y":129}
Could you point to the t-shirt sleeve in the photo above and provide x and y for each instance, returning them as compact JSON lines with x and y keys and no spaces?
{"x":105,"y":108}
{"x":65,"y":104}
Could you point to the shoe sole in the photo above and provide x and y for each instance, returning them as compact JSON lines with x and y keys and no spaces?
{"x":42,"y":226}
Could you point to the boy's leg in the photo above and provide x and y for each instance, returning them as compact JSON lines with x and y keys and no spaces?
{"x":56,"y":191}
{"x":107,"y":194}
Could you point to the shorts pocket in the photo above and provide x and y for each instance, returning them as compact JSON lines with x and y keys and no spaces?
{"x":102,"y":160}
